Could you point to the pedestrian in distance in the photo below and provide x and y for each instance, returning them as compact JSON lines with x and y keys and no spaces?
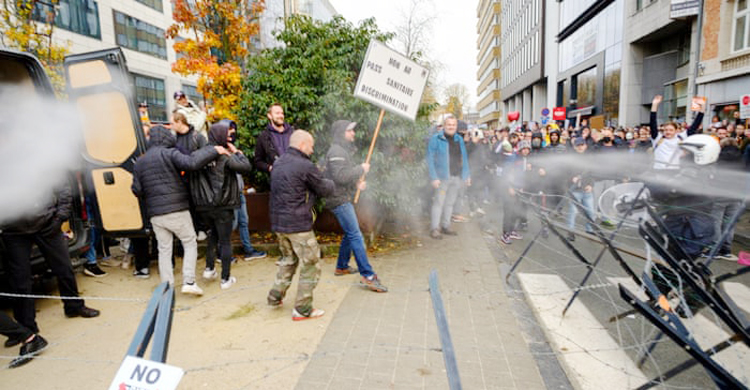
{"x":195,"y":116}
{"x":295,"y":184}
{"x":346,"y":175}
{"x":157,"y":183}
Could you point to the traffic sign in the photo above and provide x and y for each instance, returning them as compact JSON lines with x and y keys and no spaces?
{"x":545,"y":111}
{"x":745,"y":107}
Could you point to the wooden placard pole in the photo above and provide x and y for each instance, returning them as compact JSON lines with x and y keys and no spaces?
{"x":369,"y":153}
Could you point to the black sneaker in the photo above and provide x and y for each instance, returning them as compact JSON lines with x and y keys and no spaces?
{"x":28,"y":351}
{"x":255,"y":254}
{"x":83,"y":311}
{"x":141,"y":273}
{"x":11,"y":342}
{"x":92,"y":269}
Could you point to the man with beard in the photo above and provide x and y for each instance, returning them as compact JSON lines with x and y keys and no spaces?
{"x":273,"y":141}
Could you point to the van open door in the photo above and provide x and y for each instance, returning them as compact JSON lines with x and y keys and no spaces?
{"x":99,"y":86}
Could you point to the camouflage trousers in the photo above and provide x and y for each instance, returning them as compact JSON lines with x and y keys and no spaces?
{"x":297,"y":248}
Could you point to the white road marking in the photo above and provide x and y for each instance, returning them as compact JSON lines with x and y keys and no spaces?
{"x":591,"y":357}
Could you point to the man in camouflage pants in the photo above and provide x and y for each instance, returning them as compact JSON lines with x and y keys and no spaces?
{"x":295,"y":184}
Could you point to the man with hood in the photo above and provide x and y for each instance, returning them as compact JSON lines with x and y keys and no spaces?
{"x":157,"y":183}
{"x":346,"y":175}
{"x":273,"y":141}
{"x":217,"y":201}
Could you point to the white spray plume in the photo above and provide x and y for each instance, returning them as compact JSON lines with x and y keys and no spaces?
{"x":40,"y":145}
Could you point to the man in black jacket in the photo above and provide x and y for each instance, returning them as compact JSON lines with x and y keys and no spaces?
{"x":273,"y":141}
{"x":156,"y":181}
{"x":295,"y":184}
{"x":345,"y":173}
{"x":219,"y":197}
{"x":42,"y":227}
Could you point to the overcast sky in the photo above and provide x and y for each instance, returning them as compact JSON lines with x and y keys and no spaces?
{"x":453,"y":41}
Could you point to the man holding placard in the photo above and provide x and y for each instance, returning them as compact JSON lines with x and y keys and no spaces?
{"x":448,"y":167}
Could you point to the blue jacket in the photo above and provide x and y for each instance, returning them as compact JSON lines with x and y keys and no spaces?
{"x":438,"y":157}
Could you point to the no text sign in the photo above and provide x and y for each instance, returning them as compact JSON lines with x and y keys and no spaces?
{"x":140,"y":374}
{"x":391,"y":81}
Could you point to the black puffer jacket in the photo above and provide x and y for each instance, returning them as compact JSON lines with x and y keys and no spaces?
{"x":340,"y":168}
{"x":265,"y":151}
{"x":295,"y":184}
{"x":217,"y":186}
{"x":156,"y":176}
{"x":48,"y":214}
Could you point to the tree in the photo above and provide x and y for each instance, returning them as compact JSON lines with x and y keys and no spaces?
{"x":220,"y":33}
{"x":412,"y":33}
{"x":27,"y":25}
{"x":456,"y":96}
{"x":313,"y":76}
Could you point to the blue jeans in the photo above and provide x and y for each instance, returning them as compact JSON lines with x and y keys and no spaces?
{"x":240,"y":221}
{"x":90,"y":254}
{"x":587,"y":200}
{"x":352,"y":241}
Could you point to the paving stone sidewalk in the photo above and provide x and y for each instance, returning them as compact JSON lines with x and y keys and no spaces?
{"x":391,"y":341}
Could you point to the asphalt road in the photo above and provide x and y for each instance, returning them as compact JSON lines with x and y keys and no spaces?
{"x":633,"y":333}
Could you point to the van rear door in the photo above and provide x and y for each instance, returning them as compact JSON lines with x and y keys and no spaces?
{"x":98,"y":84}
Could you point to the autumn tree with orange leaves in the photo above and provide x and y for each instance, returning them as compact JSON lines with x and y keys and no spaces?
{"x":213,"y":37}
{"x":27,"y":26}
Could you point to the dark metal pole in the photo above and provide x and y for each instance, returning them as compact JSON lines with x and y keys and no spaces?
{"x":449,"y":354}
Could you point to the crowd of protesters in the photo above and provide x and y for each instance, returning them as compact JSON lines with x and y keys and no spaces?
{"x":529,"y":166}
{"x":189,"y":182}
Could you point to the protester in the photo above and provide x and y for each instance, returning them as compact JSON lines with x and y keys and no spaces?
{"x":295,"y":185}
{"x":510,"y":182}
{"x":195,"y":116}
{"x":729,"y":160}
{"x":448,"y":167}
{"x":188,"y":141}
{"x":217,"y":199}
{"x":666,"y":145}
{"x":346,"y":175}
{"x":581,"y":189}
{"x":273,"y":141}
{"x":42,"y":227}
{"x":32,"y":343}
{"x":156,"y":181}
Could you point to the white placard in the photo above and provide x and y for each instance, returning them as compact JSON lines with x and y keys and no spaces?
{"x":140,"y":374}
{"x":745,"y":106}
{"x":391,"y":81}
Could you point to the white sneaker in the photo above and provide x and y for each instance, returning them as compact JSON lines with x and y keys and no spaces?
{"x":192,"y":289}
{"x":209,"y":274}
{"x":202,"y":236}
{"x":225,"y":284}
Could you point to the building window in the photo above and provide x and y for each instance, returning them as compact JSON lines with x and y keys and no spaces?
{"x":741,"y":26}
{"x":78,"y":16}
{"x":585,"y":83}
{"x":155,"y":4}
{"x":140,"y":36}
{"x":151,"y":91}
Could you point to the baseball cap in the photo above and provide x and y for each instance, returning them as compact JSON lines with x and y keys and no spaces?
{"x":579,"y":141}
{"x":179,"y":94}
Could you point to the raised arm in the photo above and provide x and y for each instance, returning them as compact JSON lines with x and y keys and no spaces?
{"x":652,"y":120}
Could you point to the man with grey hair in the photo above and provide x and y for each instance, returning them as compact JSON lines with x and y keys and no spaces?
{"x":448,"y":167}
{"x":295,"y":184}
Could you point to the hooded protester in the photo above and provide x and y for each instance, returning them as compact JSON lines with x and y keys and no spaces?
{"x":555,"y":143}
{"x":346,"y":175}
{"x":537,"y":143}
{"x":218,"y":197}
{"x":157,"y":183}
